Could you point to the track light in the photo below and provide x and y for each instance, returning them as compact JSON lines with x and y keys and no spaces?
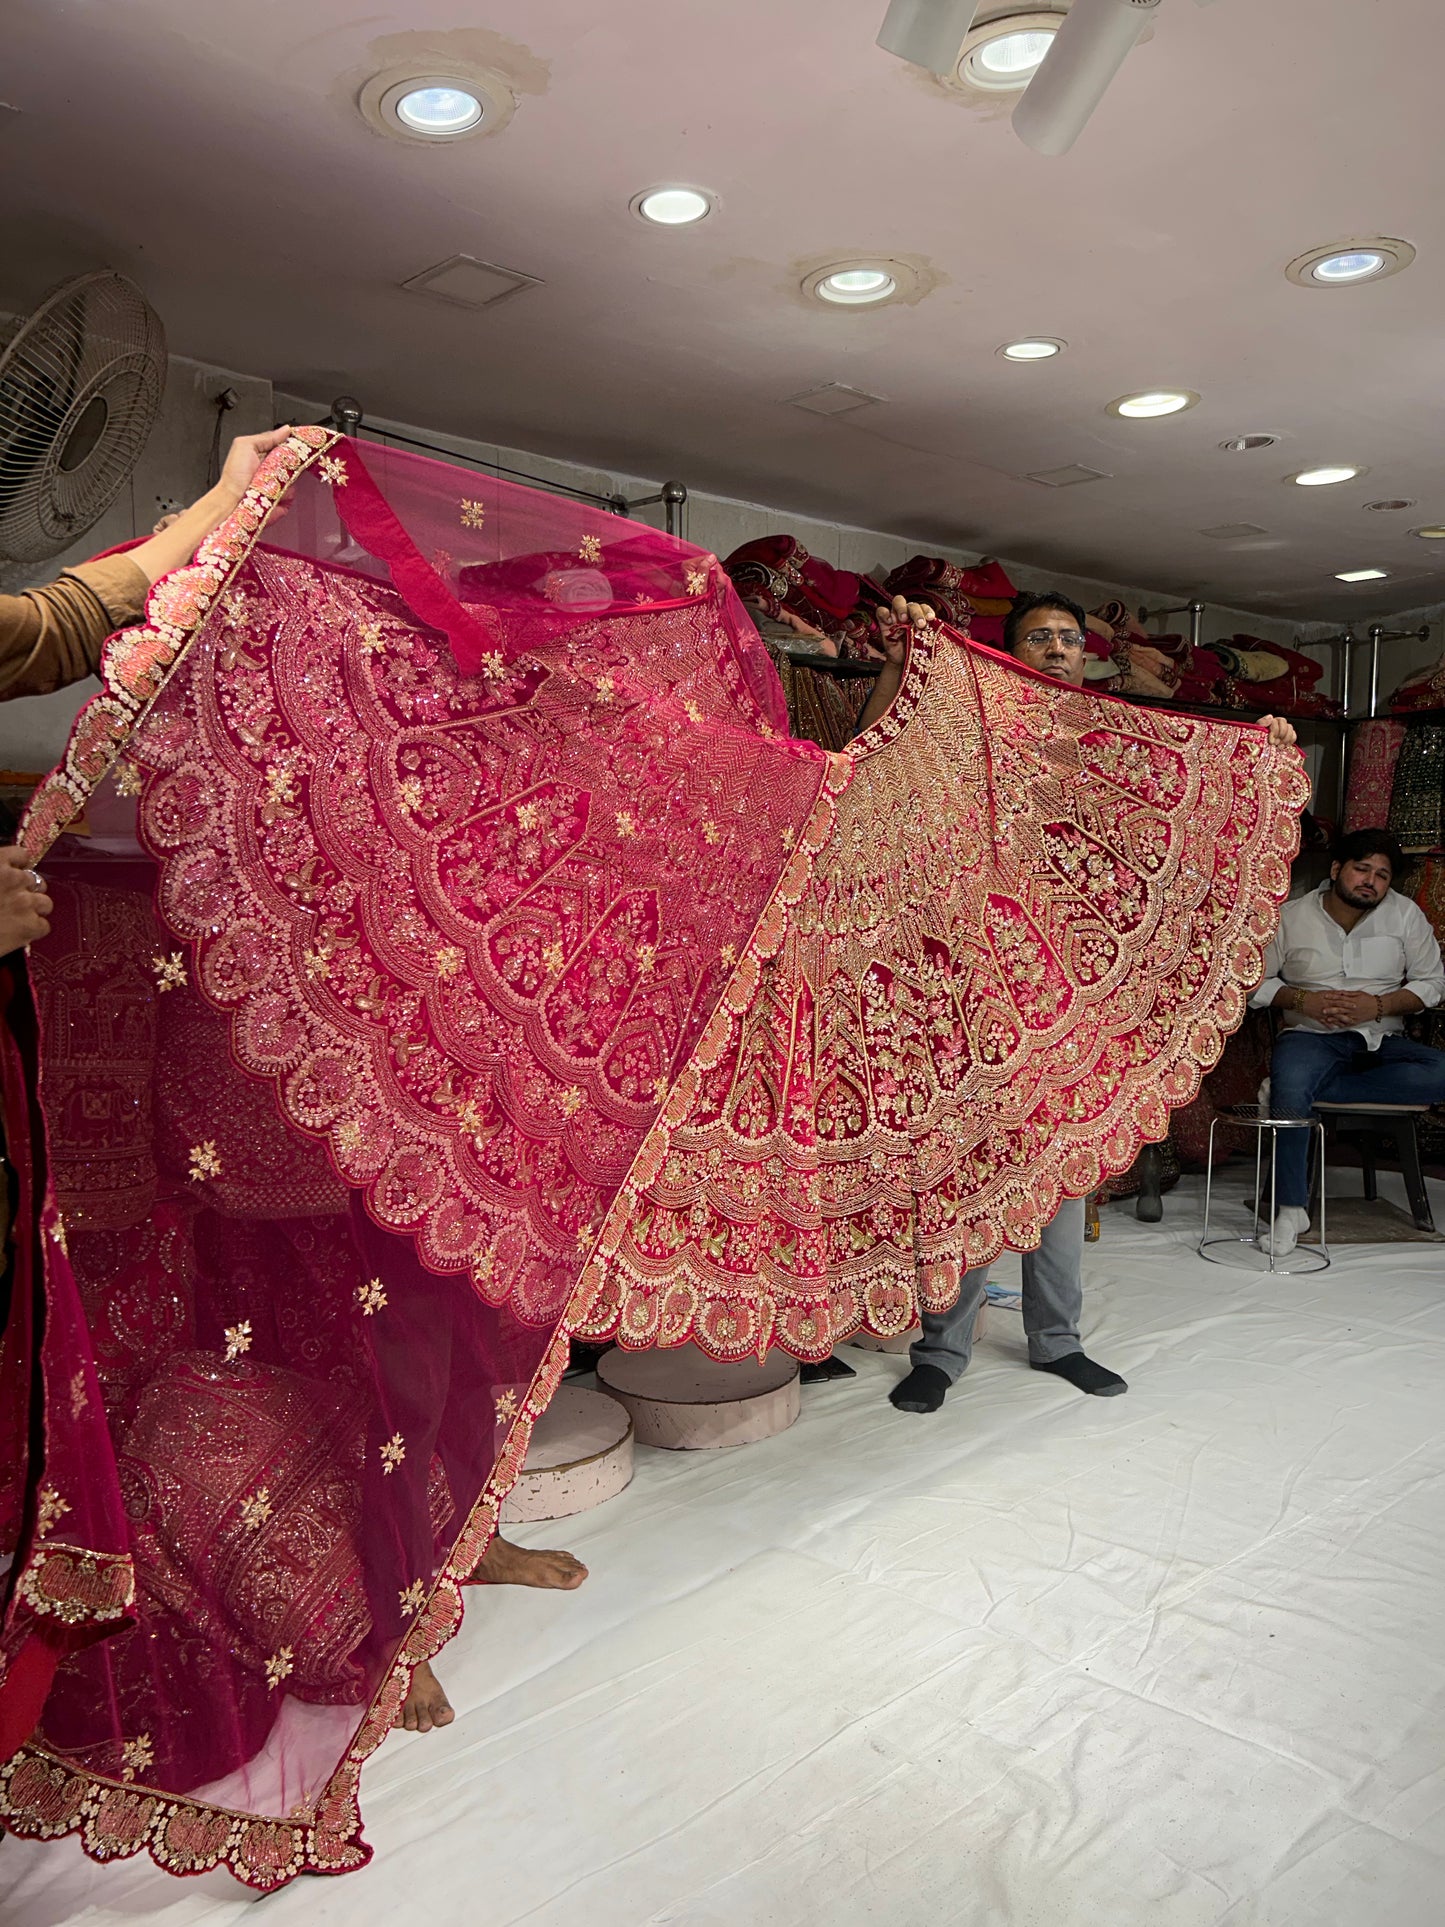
{"x":1089,"y":49}
{"x":929,"y":33}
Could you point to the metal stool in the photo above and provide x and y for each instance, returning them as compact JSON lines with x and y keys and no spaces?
{"x":1246,"y":1117}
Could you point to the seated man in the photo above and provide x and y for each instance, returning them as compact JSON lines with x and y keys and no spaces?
{"x":1348,"y":964}
{"x":1047,"y":633}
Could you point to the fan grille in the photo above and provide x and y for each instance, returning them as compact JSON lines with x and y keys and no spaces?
{"x":80,"y":386}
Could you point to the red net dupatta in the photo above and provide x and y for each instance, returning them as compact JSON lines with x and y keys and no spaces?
{"x":482,"y":963}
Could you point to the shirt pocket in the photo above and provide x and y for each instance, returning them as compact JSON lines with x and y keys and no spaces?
{"x":1380,"y":959}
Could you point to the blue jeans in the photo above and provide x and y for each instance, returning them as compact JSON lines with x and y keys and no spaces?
{"x":1337,"y":1067}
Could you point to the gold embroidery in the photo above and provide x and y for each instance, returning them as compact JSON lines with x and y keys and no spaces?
{"x":693,"y":712}
{"x":528,"y":815}
{"x":474,"y":514}
{"x":553,"y":956}
{"x":371,"y":1297}
{"x":205,"y":1162}
{"x":256,"y":1510}
{"x":238,"y":1340}
{"x":697,"y":581}
{"x":58,"y":1234}
{"x":646,"y":958}
{"x":127,"y":778}
{"x":373,"y":637}
{"x":449,"y":961}
{"x":571,"y":1101}
{"x":392,"y":1454}
{"x":626,"y":823}
{"x":317,"y":965}
{"x":412,"y":793}
{"x":333,"y":468}
{"x":506,"y":1403}
{"x":606,"y":689}
{"x":136,"y":1755}
{"x":493,"y":666}
{"x":49,"y":1507}
{"x":711,"y":833}
{"x":280,"y":1666}
{"x":79,"y":1394}
{"x":413,"y":1597}
{"x":170,"y":971}
{"x":591,"y":549}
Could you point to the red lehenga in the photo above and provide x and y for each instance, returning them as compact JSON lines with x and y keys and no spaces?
{"x":463,"y":957}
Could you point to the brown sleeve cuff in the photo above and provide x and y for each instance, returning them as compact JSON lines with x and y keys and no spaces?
{"x":119,"y":584}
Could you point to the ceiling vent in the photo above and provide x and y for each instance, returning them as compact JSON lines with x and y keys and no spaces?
{"x":1069,"y":477}
{"x":469,"y":283}
{"x":1234,"y":532}
{"x":833,"y":398}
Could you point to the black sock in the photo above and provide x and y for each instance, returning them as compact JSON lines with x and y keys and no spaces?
{"x":924,"y":1390}
{"x":1083,"y":1373}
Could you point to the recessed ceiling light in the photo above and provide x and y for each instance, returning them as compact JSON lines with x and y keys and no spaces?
{"x":1361,"y":575}
{"x":413,"y":106}
{"x":674,"y":206}
{"x":439,"y":111}
{"x":1323,"y":477}
{"x":1153,"y":402}
{"x":1345,"y":264}
{"x":1003,"y":56}
{"x":1245,"y":444}
{"x":1392,"y":502}
{"x":1036,"y":348}
{"x":1433,"y":534}
{"x":855,"y":287}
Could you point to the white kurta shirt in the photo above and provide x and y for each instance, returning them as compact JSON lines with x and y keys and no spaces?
{"x":1392,"y":947}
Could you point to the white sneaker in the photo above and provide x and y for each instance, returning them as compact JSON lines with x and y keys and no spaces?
{"x":1282,"y":1238}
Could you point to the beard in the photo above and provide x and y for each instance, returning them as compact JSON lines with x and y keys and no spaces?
{"x":1357,"y":899}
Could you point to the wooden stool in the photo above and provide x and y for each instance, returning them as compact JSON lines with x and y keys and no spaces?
{"x":684,"y":1401}
{"x":580,"y":1456}
{"x":1398,"y":1122}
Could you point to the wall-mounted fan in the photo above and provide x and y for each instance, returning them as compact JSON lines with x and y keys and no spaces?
{"x":1088,"y":48}
{"x":80,"y":384}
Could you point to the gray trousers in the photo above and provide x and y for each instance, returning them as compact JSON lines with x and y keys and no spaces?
{"x":1053,"y":1300}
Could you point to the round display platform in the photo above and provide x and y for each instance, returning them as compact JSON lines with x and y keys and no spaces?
{"x":866,"y":1342}
{"x":580,"y":1456}
{"x":685,"y":1401}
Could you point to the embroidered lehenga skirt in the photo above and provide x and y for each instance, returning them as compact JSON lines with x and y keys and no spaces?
{"x":463,"y":957}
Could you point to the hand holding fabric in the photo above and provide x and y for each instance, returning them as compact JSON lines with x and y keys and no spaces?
{"x":24,"y":906}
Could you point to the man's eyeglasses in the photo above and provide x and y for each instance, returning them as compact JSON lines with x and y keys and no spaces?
{"x":1069,"y":638}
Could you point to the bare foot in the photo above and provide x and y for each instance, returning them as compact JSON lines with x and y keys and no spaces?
{"x":503,"y":1564}
{"x":426,"y":1705}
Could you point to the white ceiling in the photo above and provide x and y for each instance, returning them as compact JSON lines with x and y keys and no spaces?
{"x":215,"y":152}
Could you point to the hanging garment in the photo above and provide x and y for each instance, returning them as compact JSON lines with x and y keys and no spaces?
{"x":1417,"y":803}
{"x":1373,"y":757}
{"x":464,"y":958}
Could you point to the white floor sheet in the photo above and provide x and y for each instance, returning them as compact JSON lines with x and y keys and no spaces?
{"x":1041,"y":1660}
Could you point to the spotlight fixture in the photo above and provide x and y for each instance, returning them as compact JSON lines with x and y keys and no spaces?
{"x":1345,"y":264}
{"x":674,"y":206}
{"x":1090,"y":46}
{"x":437,"y":106}
{"x":1003,"y":56}
{"x":1323,"y":477}
{"x":1432,"y":534}
{"x":1360,"y":575}
{"x":1035,"y":348}
{"x":1244,"y":444}
{"x":1153,"y":402}
{"x":927,"y":33}
{"x":1392,"y":502}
